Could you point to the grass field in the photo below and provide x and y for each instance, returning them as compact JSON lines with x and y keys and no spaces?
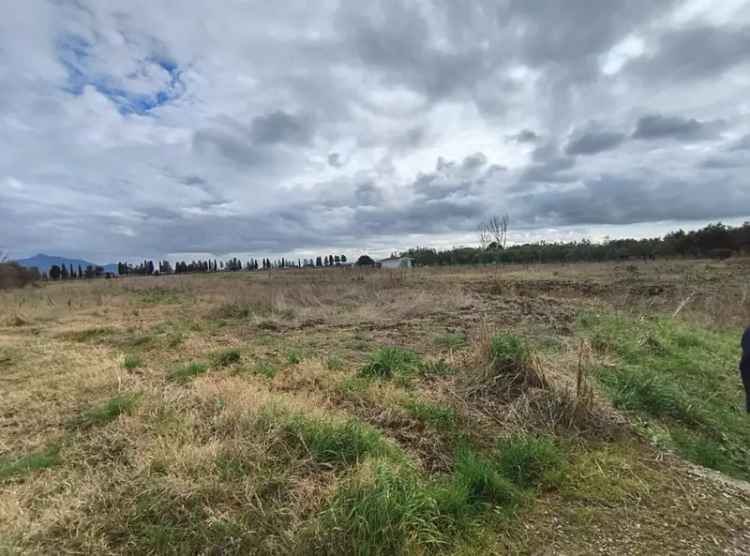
{"x":547,"y":409}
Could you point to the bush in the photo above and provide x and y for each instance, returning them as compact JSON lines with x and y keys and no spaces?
{"x":13,"y":275}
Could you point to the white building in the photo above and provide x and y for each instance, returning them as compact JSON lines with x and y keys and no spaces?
{"x":396,"y":262}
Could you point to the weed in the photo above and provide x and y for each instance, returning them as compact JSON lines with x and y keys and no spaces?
{"x":388,"y":362}
{"x":530,"y":461}
{"x":294,"y":357}
{"x":132,"y":362}
{"x":227,"y":357}
{"x":334,"y":363}
{"x":186,"y":372}
{"x":29,"y":463}
{"x":266,"y":369}
{"x":107,"y":411}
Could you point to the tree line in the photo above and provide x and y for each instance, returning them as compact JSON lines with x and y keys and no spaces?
{"x":712,"y":241}
{"x":234,"y":264}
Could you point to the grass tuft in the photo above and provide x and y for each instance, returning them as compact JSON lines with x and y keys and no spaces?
{"x":187,"y":372}
{"x":381,"y":510}
{"x":441,"y":418}
{"x":337,"y":442}
{"x":389,"y":362}
{"x":132,"y":362}
{"x":107,"y":411}
{"x":530,"y":461}
{"x":29,"y":463}
{"x":227,"y":357}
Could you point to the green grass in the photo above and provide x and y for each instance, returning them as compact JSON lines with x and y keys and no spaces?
{"x":107,"y":411}
{"x":482,"y":479}
{"x":88,"y":334}
{"x":226,"y":358}
{"x":436,"y":367}
{"x":294,"y":357}
{"x":335,"y":363}
{"x":132,"y":362}
{"x":156,"y":295}
{"x":441,"y":418}
{"x":382,"y":510}
{"x":508,"y":353}
{"x":187,"y":372}
{"x":337,"y":442}
{"x":683,"y":378}
{"x":266,"y":369}
{"x":14,"y":467}
{"x":530,"y":461}
{"x":450,"y":341}
{"x":390,"y":362}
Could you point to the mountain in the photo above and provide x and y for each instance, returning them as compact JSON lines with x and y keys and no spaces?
{"x":44,"y":262}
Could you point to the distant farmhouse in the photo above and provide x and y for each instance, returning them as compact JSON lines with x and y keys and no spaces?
{"x":396,"y":262}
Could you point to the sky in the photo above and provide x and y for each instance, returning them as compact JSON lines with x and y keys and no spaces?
{"x":154,"y":128}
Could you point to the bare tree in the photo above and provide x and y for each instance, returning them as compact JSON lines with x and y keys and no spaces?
{"x":493,"y":232}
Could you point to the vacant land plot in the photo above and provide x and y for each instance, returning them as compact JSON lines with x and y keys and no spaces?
{"x":544,"y":409}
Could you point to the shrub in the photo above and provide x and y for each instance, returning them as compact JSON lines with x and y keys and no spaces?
{"x":388,"y":362}
{"x":12,"y":275}
{"x":185,"y":373}
{"x":530,"y":461}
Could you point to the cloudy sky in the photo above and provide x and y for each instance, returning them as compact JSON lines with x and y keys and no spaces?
{"x":154,"y":127}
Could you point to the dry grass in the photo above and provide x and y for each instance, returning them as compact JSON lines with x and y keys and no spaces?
{"x":102,"y":450}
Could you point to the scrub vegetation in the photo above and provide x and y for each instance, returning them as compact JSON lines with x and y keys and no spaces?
{"x":584,"y":408}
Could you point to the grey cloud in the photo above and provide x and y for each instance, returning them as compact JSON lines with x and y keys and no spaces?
{"x":593,"y":141}
{"x":280,"y":127}
{"x":695,"y":52}
{"x":334,"y":159}
{"x":625,"y":200}
{"x":524,"y":136}
{"x":657,"y":126}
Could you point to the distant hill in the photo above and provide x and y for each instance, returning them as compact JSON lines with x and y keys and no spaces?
{"x":44,"y":262}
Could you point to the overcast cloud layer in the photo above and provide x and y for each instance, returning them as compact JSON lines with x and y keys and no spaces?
{"x":145,"y":127}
